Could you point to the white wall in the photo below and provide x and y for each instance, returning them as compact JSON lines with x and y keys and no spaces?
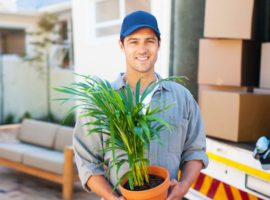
{"x":162,"y":10}
{"x":25,"y":89}
{"x":59,"y":78}
{"x":103,"y":57}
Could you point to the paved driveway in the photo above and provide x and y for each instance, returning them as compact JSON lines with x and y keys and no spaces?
{"x":18,"y":186}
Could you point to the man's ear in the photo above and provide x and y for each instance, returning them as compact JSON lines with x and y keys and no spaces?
{"x":121,"y":44}
{"x":159,"y":43}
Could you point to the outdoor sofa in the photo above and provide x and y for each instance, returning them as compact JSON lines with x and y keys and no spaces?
{"x":41,"y":149}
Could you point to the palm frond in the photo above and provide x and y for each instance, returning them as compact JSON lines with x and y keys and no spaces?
{"x":119,"y":115}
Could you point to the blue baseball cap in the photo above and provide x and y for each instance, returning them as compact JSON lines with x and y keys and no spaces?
{"x":136,"y":20}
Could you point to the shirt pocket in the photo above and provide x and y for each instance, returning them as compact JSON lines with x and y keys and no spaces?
{"x":177,"y":136}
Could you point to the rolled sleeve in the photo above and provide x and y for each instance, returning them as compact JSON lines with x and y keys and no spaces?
{"x":195,"y":144}
{"x":88,"y":153}
{"x":195,"y":155}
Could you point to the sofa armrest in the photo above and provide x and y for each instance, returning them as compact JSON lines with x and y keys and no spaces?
{"x":9,"y":132}
{"x":10,"y":127}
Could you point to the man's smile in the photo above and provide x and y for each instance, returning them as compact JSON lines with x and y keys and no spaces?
{"x":142,"y":58}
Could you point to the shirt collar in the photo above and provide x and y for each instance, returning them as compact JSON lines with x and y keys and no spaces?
{"x":120,"y":82}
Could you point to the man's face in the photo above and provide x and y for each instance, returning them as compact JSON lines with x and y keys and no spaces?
{"x":141,"y":49}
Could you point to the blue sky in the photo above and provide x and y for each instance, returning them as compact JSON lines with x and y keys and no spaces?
{"x":36,"y":4}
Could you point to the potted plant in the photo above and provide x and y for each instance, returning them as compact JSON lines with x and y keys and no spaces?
{"x":130,"y":125}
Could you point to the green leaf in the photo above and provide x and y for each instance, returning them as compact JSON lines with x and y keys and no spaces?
{"x":121,"y":179}
{"x":130,"y":181}
{"x":145,"y":128}
{"x":148,"y":90}
{"x":139,"y":132}
{"x":137,"y":93}
{"x":129,"y":97}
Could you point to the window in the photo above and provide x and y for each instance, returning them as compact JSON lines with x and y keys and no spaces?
{"x":67,"y":46}
{"x":12,"y":41}
{"x":104,"y":10}
{"x":61,"y":50}
{"x":109,"y":14}
{"x":132,"y":5}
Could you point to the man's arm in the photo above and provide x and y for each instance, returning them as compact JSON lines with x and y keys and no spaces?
{"x":89,"y":161}
{"x":189,"y":173}
{"x":102,"y":188}
{"x":193,"y":157}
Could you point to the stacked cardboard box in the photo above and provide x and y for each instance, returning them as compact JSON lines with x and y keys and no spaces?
{"x":236,"y":116}
{"x":229,"y":69}
{"x":229,"y":19}
{"x":203,"y":88}
{"x":228,"y":62}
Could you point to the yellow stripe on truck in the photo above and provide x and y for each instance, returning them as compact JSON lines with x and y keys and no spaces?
{"x":249,"y":170}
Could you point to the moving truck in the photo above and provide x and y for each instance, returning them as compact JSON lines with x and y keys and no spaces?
{"x":233,"y":173}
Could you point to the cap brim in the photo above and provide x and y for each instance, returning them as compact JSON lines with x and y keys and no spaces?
{"x":135,"y":28}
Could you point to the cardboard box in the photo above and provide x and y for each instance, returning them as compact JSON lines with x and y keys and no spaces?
{"x":221,"y":89}
{"x":229,"y":62}
{"x":236,"y":116}
{"x":229,"y":19}
{"x":265,"y":66}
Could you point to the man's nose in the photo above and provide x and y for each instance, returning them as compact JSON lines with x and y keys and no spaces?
{"x":142,"y":48}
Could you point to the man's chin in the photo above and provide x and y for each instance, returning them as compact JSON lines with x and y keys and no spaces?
{"x":144,"y":70}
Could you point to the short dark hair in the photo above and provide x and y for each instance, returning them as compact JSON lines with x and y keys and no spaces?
{"x":123,"y":38}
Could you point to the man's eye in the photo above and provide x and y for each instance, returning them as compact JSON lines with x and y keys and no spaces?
{"x":151,"y":41}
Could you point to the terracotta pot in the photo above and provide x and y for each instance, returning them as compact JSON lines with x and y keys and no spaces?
{"x":157,"y":193}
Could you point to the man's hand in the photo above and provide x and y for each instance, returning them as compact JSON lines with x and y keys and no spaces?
{"x":177,"y":190}
{"x":189,"y":172}
{"x":102,"y":188}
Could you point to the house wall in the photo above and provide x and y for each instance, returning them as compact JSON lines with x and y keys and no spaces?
{"x":103,"y":57}
{"x":25,"y":84}
{"x":23,"y":21}
{"x":25,"y":89}
{"x":59,"y":78}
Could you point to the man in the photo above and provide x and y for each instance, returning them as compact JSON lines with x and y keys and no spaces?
{"x":184,"y":147}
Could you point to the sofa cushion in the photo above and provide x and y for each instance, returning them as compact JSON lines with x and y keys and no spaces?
{"x":63,"y":137}
{"x":46,"y":159}
{"x":14,"y":150}
{"x":38,"y":133}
